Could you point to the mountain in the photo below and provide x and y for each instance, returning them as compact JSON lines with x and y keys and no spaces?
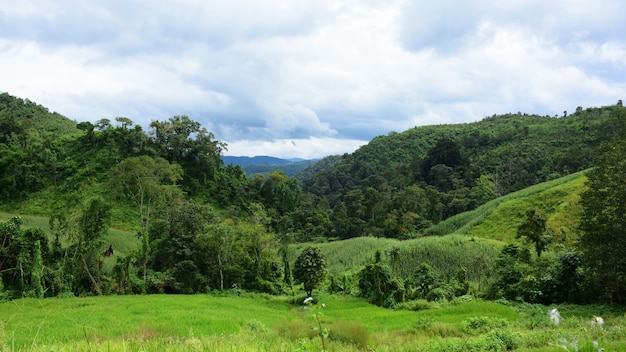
{"x":266,"y":164}
{"x":244,"y":161}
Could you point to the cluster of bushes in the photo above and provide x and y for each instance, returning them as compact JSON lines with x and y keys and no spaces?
{"x":377,"y":283}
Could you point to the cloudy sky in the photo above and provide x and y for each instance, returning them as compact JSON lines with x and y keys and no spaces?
{"x":306,"y":79}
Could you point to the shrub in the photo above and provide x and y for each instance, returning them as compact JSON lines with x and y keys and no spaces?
{"x":377,"y":284}
{"x":441,"y":293}
{"x":502,"y":340}
{"x":415,"y":305}
{"x":341,"y":284}
{"x":443,"y":330}
{"x":256,"y":326}
{"x":479,"y":325}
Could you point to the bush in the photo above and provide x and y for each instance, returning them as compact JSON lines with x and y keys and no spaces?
{"x":503,"y":340}
{"x":480,"y":325}
{"x":415,"y":305}
{"x":438,"y":329}
{"x":442,"y":293}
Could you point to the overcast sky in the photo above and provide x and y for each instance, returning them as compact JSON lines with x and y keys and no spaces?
{"x":308,"y":79}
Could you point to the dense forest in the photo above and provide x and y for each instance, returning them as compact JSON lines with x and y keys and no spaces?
{"x":203,"y":225}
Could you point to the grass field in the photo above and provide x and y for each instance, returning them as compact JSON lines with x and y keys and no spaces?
{"x":265,"y":323}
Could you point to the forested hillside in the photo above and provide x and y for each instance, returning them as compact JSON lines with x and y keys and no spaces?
{"x":201,"y":225}
{"x":405,"y":182}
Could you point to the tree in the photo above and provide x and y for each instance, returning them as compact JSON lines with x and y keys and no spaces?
{"x":93,"y":226}
{"x":534,"y":230}
{"x":310,"y":269}
{"x":37,"y":271}
{"x":149,"y":182}
{"x":603,"y":243}
{"x":377,"y":284}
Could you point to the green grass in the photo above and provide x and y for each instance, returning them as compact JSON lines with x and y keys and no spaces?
{"x":29,"y":220}
{"x":499,"y":218}
{"x":50,"y":321}
{"x":347,"y":256}
{"x":446,"y":254}
{"x":266,"y":323}
{"x":558,"y":200}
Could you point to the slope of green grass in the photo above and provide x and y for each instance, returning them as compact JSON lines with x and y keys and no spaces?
{"x":499,"y":218}
{"x":559,"y":201}
{"x":445,"y":254}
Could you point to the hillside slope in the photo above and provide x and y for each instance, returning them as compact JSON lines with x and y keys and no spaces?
{"x":409,"y":181}
{"x":498,"y":219}
{"x":471,"y":240}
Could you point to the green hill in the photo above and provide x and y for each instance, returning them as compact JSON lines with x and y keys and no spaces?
{"x":414,"y":179}
{"x":499,"y":218}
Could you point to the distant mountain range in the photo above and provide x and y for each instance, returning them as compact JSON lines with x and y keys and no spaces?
{"x":266,"y":164}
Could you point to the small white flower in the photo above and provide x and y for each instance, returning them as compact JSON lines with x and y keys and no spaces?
{"x":308,"y":299}
{"x":304,"y":307}
{"x":555,"y":317}
{"x":597,"y":321}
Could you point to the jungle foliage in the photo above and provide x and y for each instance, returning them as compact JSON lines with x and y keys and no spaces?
{"x":202,"y":225}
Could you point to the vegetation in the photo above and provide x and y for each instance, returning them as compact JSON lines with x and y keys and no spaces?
{"x":310,"y":269}
{"x":425,"y":220}
{"x":604,"y":222}
{"x":258,"y":322}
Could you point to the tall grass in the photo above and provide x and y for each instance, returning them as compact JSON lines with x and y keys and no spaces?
{"x":347,"y":256}
{"x":447,"y":255}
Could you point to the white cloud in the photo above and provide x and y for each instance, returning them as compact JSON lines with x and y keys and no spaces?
{"x":309,"y":148}
{"x":269,"y":72}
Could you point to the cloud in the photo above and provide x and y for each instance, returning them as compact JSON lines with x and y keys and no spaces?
{"x":309,"y":148}
{"x":272,"y":72}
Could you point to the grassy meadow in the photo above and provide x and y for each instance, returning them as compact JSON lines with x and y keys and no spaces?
{"x":269,"y":323}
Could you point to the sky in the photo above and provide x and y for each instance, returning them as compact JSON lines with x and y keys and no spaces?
{"x":307,"y":79}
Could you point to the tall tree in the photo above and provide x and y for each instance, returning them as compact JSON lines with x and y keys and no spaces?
{"x":310,"y":269}
{"x":533,"y":229}
{"x":603,"y":242}
{"x":93,"y":226}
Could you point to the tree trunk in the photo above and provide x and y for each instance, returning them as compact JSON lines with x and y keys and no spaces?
{"x":219,"y":262}
{"x":94,"y":284}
